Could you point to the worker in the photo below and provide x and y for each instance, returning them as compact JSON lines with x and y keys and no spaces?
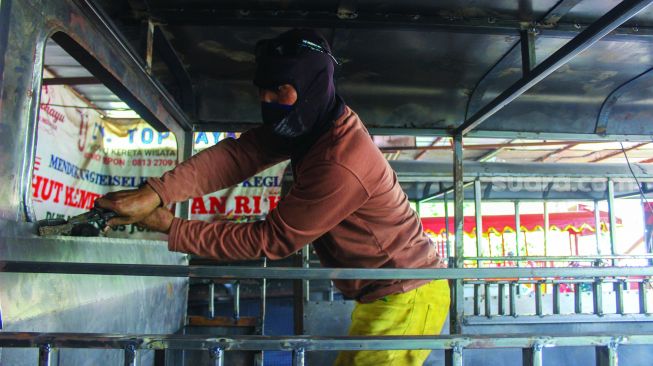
{"x":345,"y":198}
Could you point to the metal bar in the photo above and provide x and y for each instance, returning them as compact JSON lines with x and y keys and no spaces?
{"x":477,"y":299}
{"x":79,"y":80}
{"x":263,"y":304}
{"x":306,"y":263}
{"x":597,"y":296}
{"x":236,"y":300}
{"x":298,"y":357}
{"x":149,"y":46}
{"x":546,"y":228}
{"x":216,"y":354}
{"x":45,"y":355}
{"x":186,"y":151}
{"x":597,"y":226}
{"x":607,"y":355}
{"x":389,"y":149}
{"x":512,"y":297}
{"x":433,"y":143}
{"x":531,"y":320}
{"x":538,"y":299}
{"x":202,"y":342}
{"x":517,"y":230}
{"x":502,"y":302}
{"x":578,"y":299}
{"x":532,"y":356}
{"x":613,"y":220}
{"x":488,"y":298}
{"x":619,"y":296}
{"x":556,"y":298}
{"x":233,"y":272}
{"x":561,"y":258}
{"x":331,"y":291}
{"x":478,"y":214}
{"x":458,"y":300}
{"x":643,"y":298}
{"x":211,"y":300}
{"x":446,"y":226}
{"x":618,"y":152}
{"x":130,"y":354}
{"x":527,"y":44}
{"x":604,"y":25}
{"x":454,"y":356}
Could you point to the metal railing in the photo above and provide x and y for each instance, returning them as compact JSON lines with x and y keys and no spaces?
{"x":454,"y":345}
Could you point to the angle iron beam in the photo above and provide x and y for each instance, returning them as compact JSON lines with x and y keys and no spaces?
{"x":237,"y":272}
{"x":558,"y":12}
{"x":604,"y":25}
{"x":309,"y":343}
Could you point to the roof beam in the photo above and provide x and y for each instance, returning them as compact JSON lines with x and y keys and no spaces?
{"x":604,"y":25}
{"x":215,"y":16}
{"x":618,"y":152}
{"x":555,"y":152}
{"x":81,"y":80}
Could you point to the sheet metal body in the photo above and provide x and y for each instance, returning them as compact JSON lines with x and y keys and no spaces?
{"x":86,"y":303}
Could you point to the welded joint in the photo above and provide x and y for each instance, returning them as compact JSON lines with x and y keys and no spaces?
{"x":130,"y":355}
{"x":216,"y":354}
{"x":45,"y":351}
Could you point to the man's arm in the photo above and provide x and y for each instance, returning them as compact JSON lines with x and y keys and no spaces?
{"x":312,"y":207}
{"x":227,"y":163}
{"x":221,"y":166}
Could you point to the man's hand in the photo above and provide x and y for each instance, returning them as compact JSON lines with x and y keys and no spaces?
{"x":159,"y":220}
{"x":132,"y":205}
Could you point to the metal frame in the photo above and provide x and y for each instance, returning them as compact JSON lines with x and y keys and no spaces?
{"x":532,"y":346}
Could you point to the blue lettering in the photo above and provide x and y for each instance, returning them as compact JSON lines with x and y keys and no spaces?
{"x":201,"y":136}
{"x":162,"y":136}
{"x":131,"y":132}
{"x":147,"y":135}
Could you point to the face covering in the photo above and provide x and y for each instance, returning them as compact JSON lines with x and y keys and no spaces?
{"x":275,"y":114}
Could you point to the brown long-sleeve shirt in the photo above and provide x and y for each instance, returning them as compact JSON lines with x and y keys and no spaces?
{"x":345,"y":199}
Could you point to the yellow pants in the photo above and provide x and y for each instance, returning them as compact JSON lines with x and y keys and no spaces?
{"x":421,"y":311}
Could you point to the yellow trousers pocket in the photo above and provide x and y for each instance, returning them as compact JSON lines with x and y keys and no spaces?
{"x":421,"y":311}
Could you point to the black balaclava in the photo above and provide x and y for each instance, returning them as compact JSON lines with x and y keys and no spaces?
{"x":292,"y":58}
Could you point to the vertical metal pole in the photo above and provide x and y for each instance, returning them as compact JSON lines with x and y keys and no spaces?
{"x":619,"y":295}
{"x":298,"y":357}
{"x":513,"y":298}
{"x":237,"y":301}
{"x":477,"y":299}
{"x":458,"y":303}
{"x":556,"y":298}
{"x":532,"y":356}
{"x":527,"y":44}
{"x":607,"y":355}
{"x":446,"y":226}
{"x":643,"y":298}
{"x":216,"y":354}
{"x":538,"y":299}
{"x":130,"y":355}
{"x":306,"y":263}
{"x":454,"y":356}
{"x":597,"y":225}
{"x":211,"y":299}
{"x":488,"y":297}
{"x":546,"y":228}
{"x":478,"y":214}
{"x":502,"y":301}
{"x":613,"y":221}
{"x":186,"y":151}
{"x":597,"y":296}
{"x":259,"y":359}
{"x":45,"y":352}
{"x":578,"y":300}
{"x":418,"y":208}
{"x":517,"y":231}
{"x":331,"y":291}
